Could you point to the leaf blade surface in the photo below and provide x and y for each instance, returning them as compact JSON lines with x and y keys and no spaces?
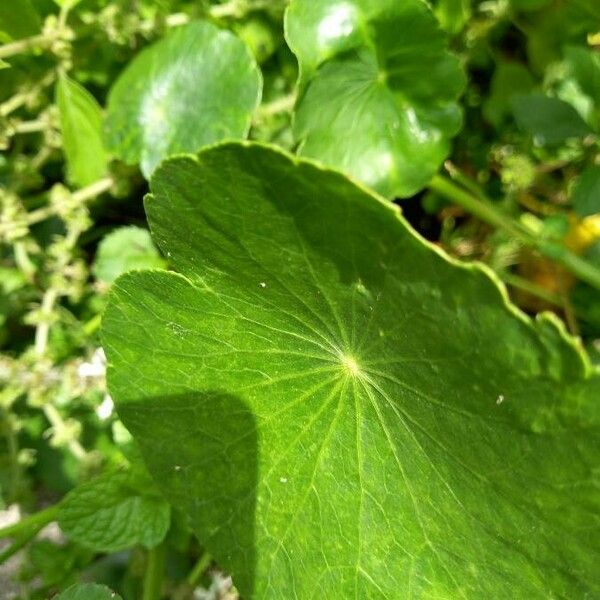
{"x":332,"y":403}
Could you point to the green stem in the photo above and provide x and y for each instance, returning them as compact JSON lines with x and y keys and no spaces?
{"x":155,"y":570}
{"x":238,"y":9}
{"x":58,"y":424}
{"x":22,"y":541}
{"x":83,"y":195}
{"x":20,"y":46}
{"x":199,"y":568}
{"x":485,"y":210}
{"x":531,"y":288}
{"x":280,"y":105}
{"x":31,"y":126}
{"x":34,"y":522}
{"x":13,"y":456}
{"x":90,"y":327}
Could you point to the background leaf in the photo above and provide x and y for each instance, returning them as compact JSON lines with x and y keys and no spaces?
{"x":586,"y":192}
{"x":379,"y":89}
{"x":88,"y":591}
{"x":19,"y":19}
{"x":549,"y":120}
{"x":509,"y":79}
{"x":125,"y":249}
{"x":204,"y":87}
{"x":329,"y":399}
{"x":112,"y":512}
{"x":81,"y":127}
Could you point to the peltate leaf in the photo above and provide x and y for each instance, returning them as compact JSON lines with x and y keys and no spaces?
{"x":88,"y":591}
{"x":81,"y":127}
{"x":111,"y":513}
{"x":341,"y":410}
{"x":197,"y":86}
{"x":379,"y":89}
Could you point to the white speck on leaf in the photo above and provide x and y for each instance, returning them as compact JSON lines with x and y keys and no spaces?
{"x":262,"y":284}
{"x":500,"y":399}
{"x":177,"y":467}
{"x":283,"y":479}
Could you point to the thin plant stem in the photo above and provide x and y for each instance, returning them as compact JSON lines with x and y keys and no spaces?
{"x":199,"y":568}
{"x":31,"y":126}
{"x":57,"y":423}
{"x":155,"y":571}
{"x":36,"y":522}
{"x":24,"y":45}
{"x":19,"y":543}
{"x":525,"y":285}
{"x":82,"y":195}
{"x":280,"y":105}
{"x":485,"y":210}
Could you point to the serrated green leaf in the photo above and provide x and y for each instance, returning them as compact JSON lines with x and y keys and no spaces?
{"x":550,"y":121}
{"x":19,"y":19}
{"x":88,"y":591}
{"x":379,"y":89}
{"x":585,"y":196}
{"x":204,"y":87}
{"x":125,"y":249}
{"x":81,"y":127}
{"x":111,"y":513}
{"x":341,"y":410}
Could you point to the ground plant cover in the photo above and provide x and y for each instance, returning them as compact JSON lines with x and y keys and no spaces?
{"x":299,"y":299}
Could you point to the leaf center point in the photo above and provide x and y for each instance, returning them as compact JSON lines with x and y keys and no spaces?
{"x":350,"y":365}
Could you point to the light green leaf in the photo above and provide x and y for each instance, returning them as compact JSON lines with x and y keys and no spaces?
{"x":379,"y":89}
{"x":584,"y":67}
{"x":81,"y":127}
{"x":125,"y":249}
{"x":68,"y":4}
{"x":19,"y":19}
{"x":197,"y":86}
{"x":88,"y":591}
{"x":341,"y":410}
{"x":509,"y":79}
{"x":110,"y":513}
{"x":549,"y":120}
{"x":4,"y":64}
{"x":585,"y":196}
{"x":453,"y":15}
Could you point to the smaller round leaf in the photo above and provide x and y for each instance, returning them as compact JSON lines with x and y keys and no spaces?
{"x":197,"y":86}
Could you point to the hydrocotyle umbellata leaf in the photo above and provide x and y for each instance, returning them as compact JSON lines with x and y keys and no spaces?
{"x":341,"y":410}
{"x":379,"y":89}
{"x":197,"y":86}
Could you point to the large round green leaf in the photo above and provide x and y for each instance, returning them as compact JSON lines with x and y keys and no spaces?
{"x":197,"y":86}
{"x":341,"y":410}
{"x":379,"y":89}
